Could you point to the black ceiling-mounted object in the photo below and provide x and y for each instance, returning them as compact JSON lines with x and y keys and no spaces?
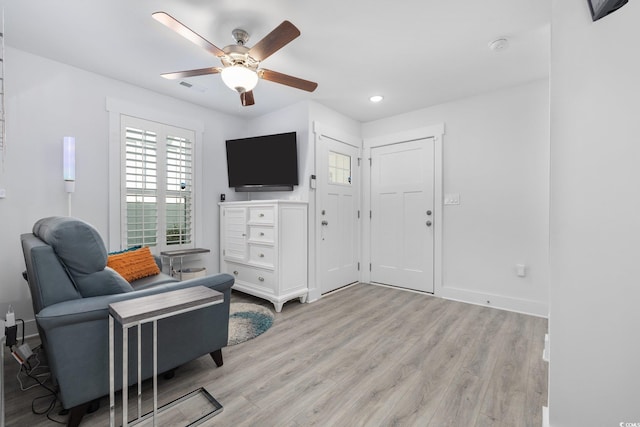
{"x":601,"y":8}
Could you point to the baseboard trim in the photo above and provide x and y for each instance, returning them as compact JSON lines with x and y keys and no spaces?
{"x":545,"y":417}
{"x":517,"y":305}
{"x":522,"y":306}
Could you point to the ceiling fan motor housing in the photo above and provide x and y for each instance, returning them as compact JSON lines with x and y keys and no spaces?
{"x":238,"y":55}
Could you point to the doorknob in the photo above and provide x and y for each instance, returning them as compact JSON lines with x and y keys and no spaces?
{"x":428,"y":223}
{"x":325,"y":222}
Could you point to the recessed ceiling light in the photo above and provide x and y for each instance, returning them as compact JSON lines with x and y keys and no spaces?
{"x":499,"y":44}
{"x":376,"y":98}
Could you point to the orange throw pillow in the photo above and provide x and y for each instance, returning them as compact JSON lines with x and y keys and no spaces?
{"x":133,"y":265}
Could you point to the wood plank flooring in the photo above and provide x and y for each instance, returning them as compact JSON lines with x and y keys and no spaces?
{"x":363,"y":356}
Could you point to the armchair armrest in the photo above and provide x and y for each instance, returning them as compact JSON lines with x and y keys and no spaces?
{"x":97,"y":308}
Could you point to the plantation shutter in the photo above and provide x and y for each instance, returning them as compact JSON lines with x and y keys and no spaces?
{"x":141,"y":153}
{"x":178,"y":185}
{"x":157,"y":185}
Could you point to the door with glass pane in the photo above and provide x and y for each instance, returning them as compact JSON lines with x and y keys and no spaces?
{"x":339,"y":195}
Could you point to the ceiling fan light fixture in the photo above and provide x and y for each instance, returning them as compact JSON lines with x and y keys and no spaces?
{"x":239,"y":78}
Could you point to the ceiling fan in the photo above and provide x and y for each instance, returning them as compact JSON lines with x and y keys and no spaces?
{"x":240,"y":64}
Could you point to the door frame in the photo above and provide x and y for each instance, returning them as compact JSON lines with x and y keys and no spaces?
{"x":322,"y":131}
{"x":437,"y":133}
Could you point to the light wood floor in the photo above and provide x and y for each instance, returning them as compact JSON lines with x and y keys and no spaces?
{"x":366,"y":355}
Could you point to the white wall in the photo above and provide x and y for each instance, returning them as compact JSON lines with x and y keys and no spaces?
{"x":595,"y":225}
{"x":496,"y":156}
{"x":47,"y":100}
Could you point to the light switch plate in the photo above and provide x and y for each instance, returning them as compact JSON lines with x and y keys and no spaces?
{"x":452,"y":199}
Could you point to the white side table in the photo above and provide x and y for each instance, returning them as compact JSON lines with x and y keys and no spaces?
{"x":136,"y":312}
{"x":180,"y":254}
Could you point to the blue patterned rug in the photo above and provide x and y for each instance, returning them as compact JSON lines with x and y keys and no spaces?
{"x":247,"y":321}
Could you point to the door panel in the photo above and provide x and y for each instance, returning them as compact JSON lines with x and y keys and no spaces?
{"x":402,"y":194}
{"x":235,"y":234}
{"x":338,"y":191}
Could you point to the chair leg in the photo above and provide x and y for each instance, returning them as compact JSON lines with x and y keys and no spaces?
{"x":169,"y":374}
{"x":217,"y":357}
{"x":76,"y":413}
{"x":94,"y":405}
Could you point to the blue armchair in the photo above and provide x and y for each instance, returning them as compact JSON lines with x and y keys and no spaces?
{"x":71,"y":289}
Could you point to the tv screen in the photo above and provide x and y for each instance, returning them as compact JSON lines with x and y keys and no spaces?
{"x":263,"y":163}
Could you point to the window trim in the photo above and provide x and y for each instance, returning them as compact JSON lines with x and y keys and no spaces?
{"x":116,"y":108}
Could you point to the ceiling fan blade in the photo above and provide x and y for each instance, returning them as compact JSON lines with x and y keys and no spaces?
{"x":247,"y":98}
{"x":191,"y":73}
{"x":186,"y":32}
{"x":274,"y":41}
{"x":287,"y":80}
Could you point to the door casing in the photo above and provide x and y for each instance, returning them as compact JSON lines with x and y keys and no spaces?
{"x":402,"y":205}
{"x":437,"y":133}
{"x":322,"y":131}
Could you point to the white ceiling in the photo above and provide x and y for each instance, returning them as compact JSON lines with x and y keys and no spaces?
{"x":416,"y":53}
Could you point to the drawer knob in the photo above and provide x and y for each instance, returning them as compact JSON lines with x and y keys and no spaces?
{"x":235,"y":272}
{"x":261,"y":215}
{"x":261,"y":255}
{"x":261,"y":278}
{"x":261,"y":233}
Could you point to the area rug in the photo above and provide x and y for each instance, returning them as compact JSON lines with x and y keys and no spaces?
{"x":247,"y":321}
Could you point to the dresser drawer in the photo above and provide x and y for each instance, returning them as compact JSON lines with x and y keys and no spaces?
{"x":262,"y":215}
{"x":262,"y":234}
{"x":263,"y":256}
{"x":255,"y":277}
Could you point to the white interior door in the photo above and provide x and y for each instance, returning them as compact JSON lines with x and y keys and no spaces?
{"x":402,"y":207}
{"x":338,"y":180}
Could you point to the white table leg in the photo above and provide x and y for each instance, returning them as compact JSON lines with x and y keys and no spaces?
{"x":155,"y":371}
{"x":125,"y":378}
{"x":139,"y":371}
{"x":112,"y":398}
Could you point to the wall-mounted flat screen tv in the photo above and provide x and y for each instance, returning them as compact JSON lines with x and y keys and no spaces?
{"x":263,"y":163}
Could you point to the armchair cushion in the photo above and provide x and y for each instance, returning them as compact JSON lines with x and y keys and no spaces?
{"x":105,"y":282}
{"x":77,"y":243}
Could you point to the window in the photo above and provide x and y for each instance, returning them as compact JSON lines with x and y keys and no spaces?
{"x":157,"y":177}
{"x":339,"y":168}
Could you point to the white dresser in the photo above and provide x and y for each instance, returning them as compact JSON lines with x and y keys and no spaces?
{"x":263,"y":244}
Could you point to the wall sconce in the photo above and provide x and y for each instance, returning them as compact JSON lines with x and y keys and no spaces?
{"x":69,"y":163}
